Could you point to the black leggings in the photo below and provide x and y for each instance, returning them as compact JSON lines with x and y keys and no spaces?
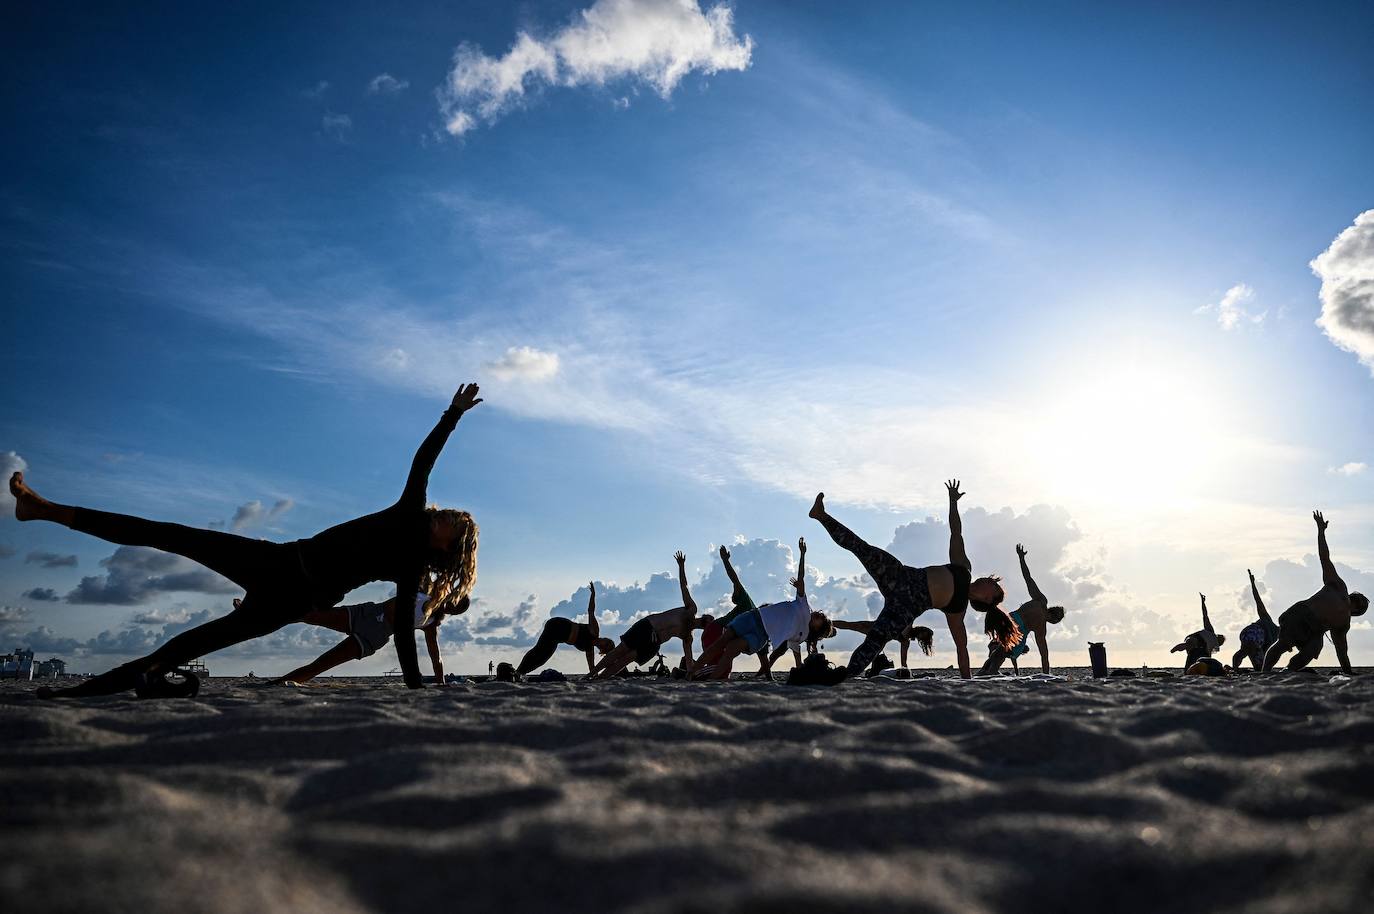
{"x":905,"y":592}
{"x":556,"y":631}
{"x":277,"y":591}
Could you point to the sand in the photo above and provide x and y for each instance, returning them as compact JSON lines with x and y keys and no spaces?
{"x":653,"y":795}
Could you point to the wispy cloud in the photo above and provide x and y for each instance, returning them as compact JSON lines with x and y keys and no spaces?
{"x":1352,"y":468}
{"x":1231,"y":310}
{"x":651,"y":42}
{"x":337,"y":126}
{"x":1346,"y":269}
{"x":524,"y":363}
{"x":253,"y":514}
{"x":386,"y":84}
{"x":50,"y":559}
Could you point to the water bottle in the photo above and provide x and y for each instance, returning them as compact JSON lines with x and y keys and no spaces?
{"x":1097,"y":656}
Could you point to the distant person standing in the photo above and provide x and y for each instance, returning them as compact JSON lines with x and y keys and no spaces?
{"x":1202,"y":643}
{"x":1330,"y":609}
{"x":1031,"y":616}
{"x":1256,"y":637}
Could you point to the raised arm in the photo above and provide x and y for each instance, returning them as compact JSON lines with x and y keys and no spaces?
{"x":957,"y":555}
{"x":687,"y":600}
{"x":799,"y":582}
{"x":729,"y":568}
{"x":860,"y":627}
{"x":1034,"y":591}
{"x":1206,"y":622}
{"x":1259,"y":602}
{"x":1329,"y":575}
{"x":418,"y":480}
{"x":592,"y":624}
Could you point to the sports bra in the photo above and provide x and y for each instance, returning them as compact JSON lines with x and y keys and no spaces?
{"x":959,"y":601}
{"x":584,"y":640}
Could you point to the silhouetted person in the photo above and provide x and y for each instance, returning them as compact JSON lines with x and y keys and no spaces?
{"x":585,"y":636}
{"x":643,"y":640}
{"x":1330,"y":609}
{"x":406,"y":543}
{"x":924,"y":638}
{"x":1200,"y":644}
{"x":1256,"y":637}
{"x":907,"y":592}
{"x":1031,"y":616}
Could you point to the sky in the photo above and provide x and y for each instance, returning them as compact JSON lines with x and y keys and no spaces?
{"x":1113,"y":268}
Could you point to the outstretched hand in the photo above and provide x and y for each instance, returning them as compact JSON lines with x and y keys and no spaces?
{"x":1322,"y":523}
{"x":954,"y":493}
{"x":466,"y":398}
{"x":592,"y":586}
{"x":794,"y":582}
{"x":681,"y":557}
{"x":1020,"y":550}
{"x":1204,"y":597}
{"x":1252,"y":575}
{"x":724,"y":553}
{"x":801,"y":545}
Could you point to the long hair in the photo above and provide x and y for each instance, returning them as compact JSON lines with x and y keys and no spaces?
{"x":925,"y":638}
{"x":453,"y":573}
{"x":997,"y":624}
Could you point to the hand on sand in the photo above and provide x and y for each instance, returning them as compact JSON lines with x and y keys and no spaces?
{"x":1322,"y":523}
{"x":954,"y":493}
{"x":466,"y":398}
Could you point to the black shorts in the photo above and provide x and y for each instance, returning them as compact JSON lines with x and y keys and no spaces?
{"x":1299,"y":625}
{"x":642,"y":639}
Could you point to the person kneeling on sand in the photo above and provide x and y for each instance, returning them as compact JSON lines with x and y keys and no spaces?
{"x":924,"y":638}
{"x":642,"y":642}
{"x":1030,"y":616}
{"x":788,"y":624}
{"x":369,"y":627}
{"x":1202,"y":643}
{"x":586,"y":637}
{"x":1330,"y":609}
{"x":1256,"y":637}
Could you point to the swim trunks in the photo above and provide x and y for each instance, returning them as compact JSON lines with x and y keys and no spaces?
{"x":368,"y":626}
{"x":642,"y":639}
{"x":749,"y":626}
{"x":1300,"y":626}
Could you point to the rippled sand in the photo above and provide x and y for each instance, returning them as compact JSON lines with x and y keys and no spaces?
{"x":652,"y":795}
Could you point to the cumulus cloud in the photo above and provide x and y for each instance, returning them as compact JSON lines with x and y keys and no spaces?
{"x":13,"y":615}
{"x":161,"y":617}
{"x":386,"y":84}
{"x":653,"y":42}
{"x":135,"y":574}
{"x":1346,"y":270}
{"x":1231,"y":311}
{"x":253,"y":514}
{"x":524,"y":363}
{"x":1348,"y":469}
{"x":50,"y":559}
{"x":42,"y":595}
{"x":10,"y":463}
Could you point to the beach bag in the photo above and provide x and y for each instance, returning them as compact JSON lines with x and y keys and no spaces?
{"x":817,"y":670}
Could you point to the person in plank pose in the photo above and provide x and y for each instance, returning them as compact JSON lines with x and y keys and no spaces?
{"x":414,"y":546}
{"x":585,"y":636}
{"x":907,"y":592}
{"x":643,"y":640}
{"x":787,"y":625}
{"x":924,"y":638}
{"x":1200,"y":644}
{"x":1256,"y":637}
{"x":1031,"y":616}
{"x":1303,"y":625}
{"x":369,"y":627}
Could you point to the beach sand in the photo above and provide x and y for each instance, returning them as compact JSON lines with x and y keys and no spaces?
{"x":654,"y":795}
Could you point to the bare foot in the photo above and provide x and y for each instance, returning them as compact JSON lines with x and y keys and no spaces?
{"x":818,"y":509}
{"x":28,"y":505}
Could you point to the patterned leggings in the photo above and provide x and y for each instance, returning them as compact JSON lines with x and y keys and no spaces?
{"x":905,"y":592}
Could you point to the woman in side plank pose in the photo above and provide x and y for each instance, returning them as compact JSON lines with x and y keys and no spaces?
{"x":1030,"y":616}
{"x":1303,"y":624}
{"x":908,"y":592}
{"x":585,"y":636}
{"x":642,"y":641}
{"x":416,"y":547}
{"x":1256,"y":637}
{"x":1202,"y":643}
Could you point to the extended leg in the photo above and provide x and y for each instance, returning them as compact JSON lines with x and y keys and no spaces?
{"x":996,"y":656}
{"x":539,"y":655}
{"x":891,"y":621}
{"x":880,"y":565}
{"x":339,"y":654}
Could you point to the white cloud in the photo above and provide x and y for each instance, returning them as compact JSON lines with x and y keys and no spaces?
{"x":524,"y":363}
{"x":1231,"y":310}
{"x":1352,"y":468}
{"x":253,"y":513}
{"x":386,"y":84}
{"x":655,"y":42}
{"x":337,"y":126}
{"x":10,"y":463}
{"x":1346,"y":270}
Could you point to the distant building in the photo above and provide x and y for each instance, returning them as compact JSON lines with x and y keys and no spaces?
{"x":52,"y":668}
{"x":18,"y":665}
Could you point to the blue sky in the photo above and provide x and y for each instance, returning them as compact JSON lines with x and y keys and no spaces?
{"x":704,"y":265}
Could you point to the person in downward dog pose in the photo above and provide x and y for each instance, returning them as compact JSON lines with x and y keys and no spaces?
{"x":1030,"y":616}
{"x":924,"y":638}
{"x":369,"y":627}
{"x":787,"y":625}
{"x":642,"y":641}
{"x":1330,"y":609}
{"x":585,"y":636}
{"x":1200,"y":644}
{"x":907,"y":592}
{"x":416,"y":547}
{"x":1256,"y":637}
